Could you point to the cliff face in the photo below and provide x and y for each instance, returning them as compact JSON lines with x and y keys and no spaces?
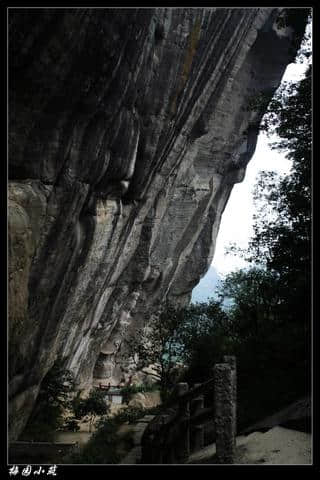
{"x":128,"y":129}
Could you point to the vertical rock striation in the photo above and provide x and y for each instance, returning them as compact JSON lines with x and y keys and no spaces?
{"x":128,"y":129}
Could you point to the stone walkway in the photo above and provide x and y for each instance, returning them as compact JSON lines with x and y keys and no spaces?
{"x":68,"y":437}
{"x":137,"y":429}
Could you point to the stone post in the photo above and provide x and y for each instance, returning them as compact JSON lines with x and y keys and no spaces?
{"x":161,"y":443}
{"x":146,"y":450}
{"x":197,"y":404}
{"x":150,"y":448}
{"x":183,"y":441}
{"x":170,"y":454}
{"x":225,"y":411}
{"x":232,"y":361}
{"x":157,"y":443}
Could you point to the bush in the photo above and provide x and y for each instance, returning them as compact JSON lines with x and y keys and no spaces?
{"x":130,"y":390}
{"x":71,"y":425}
{"x":47,"y":415}
{"x":95,"y":404}
{"x":104,"y":446}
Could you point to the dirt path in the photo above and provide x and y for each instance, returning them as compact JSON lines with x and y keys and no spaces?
{"x":277,"y":446}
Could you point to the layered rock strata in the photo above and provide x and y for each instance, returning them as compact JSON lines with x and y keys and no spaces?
{"x":128,"y":129}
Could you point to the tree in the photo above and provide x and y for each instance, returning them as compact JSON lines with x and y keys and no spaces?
{"x":281,"y":243}
{"x":158,"y":345}
{"x":53,"y":399}
{"x":93,"y":405}
{"x":206,"y":336}
{"x":194,"y":337}
{"x":254,"y":302}
{"x":271,"y":314}
{"x":271,"y":367}
{"x":267,"y":324}
{"x":285,"y":238}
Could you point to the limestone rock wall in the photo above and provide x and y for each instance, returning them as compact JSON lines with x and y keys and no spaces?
{"x":128,"y":129}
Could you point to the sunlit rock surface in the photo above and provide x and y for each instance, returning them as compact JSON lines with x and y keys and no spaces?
{"x":128,"y":129}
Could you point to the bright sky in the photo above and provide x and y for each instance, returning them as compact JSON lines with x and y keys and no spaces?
{"x":236,"y":223}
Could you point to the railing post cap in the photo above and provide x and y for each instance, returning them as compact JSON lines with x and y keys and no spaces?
{"x":221,"y":366}
{"x":182,"y":387}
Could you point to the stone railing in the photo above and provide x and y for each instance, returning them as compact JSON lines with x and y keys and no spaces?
{"x":135,"y":454}
{"x":172,"y":436}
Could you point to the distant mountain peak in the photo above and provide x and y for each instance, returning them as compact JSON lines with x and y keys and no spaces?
{"x":206,"y":287}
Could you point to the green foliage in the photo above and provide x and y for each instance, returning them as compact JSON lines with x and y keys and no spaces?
{"x":53,"y":399}
{"x":283,"y":239}
{"x":158,"y":345}
{"x":281,"y":243}
{"x":104,"y":446}
{"x":203,"y":335}
{"x":129,"y":390}
{"x":71,"y":424}
{"x":255,"y":300}
{"x":270,"y":349}
{"x":270,"y":314}
{"x":270,"y":352}
{"x":268,"y":323}
{"x":77,"y":406}
{"x":132,"y":414}
{"x":57,"y":386}
{"x":93,"y":405}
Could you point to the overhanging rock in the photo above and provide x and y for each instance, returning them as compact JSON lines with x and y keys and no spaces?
{"x":128,"y":129}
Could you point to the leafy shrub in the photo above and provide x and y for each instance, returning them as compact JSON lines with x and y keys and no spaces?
{"x":71,"y":424}
{"x":104,"y":446}
{"x":129,"y":390}
{"x":54,"y":397}
{"x":94,"y":404}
